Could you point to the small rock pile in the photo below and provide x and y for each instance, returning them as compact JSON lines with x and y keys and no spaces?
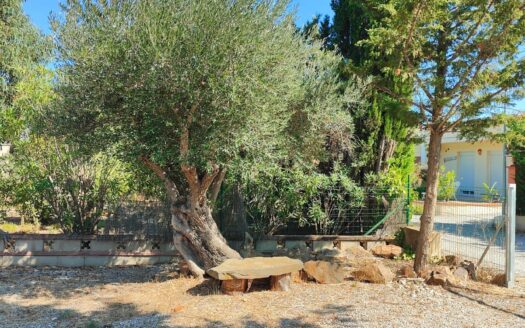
{"x":330,"y":266}
{"x":453,"y":272}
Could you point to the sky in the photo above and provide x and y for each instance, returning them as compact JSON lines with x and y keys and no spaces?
{"x":39,"y":10}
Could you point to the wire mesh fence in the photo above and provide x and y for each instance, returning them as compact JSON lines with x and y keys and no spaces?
{"x":145,"y":219}
{"x":336,"y":212}
{"x":472,"y":226}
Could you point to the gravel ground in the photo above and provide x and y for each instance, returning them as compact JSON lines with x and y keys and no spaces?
{"x":155,"y":297}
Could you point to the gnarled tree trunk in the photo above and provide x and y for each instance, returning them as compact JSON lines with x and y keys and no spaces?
{"x":429,"y":209}
{"x":198,"y":238}
{"x":196,"y":235}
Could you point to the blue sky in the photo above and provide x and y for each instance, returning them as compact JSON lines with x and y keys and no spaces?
{"x":38,"y":10}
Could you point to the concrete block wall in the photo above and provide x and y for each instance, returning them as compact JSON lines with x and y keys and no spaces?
{"x":74,"y":251}
{"x":317,"y":243}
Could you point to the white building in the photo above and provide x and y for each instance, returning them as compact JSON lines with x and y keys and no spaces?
{"x":474,"y":163}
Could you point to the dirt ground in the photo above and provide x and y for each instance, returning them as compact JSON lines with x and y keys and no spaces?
{"x":155,"y":297}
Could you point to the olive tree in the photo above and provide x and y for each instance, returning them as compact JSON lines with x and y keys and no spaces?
{"x":190,"y":87}
{"x":23,"y":79}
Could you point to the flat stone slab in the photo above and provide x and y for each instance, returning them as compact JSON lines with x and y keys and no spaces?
{"x":255,"y":268}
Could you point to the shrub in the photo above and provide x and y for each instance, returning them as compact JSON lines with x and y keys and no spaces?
{"x":275,"y":196}
{"x":51,"y":182}
{"x":446,"y":187}
{"x":519,"y":159}
{"x":416,"y":208}
{"x":490,"y":193}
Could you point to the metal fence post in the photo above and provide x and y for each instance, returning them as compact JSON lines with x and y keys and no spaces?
{"x":510,"y":219}
{"x":408,"y":200}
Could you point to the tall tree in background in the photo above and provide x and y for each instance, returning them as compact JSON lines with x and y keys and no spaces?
{"x":465,"y":57}
{"x":190,"y":87}
{"x":23,"y":80}
{"x":386,"y":124}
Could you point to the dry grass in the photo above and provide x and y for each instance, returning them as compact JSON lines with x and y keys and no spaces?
{"x":157,"y":297}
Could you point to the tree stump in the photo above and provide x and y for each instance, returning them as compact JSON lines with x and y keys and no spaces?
{"x":233,"y":286}
{"x":281,"y":282}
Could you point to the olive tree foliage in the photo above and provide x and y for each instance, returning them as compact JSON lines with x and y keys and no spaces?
{"x":465,"y":58}
{"x":23,"y":79}
{"x":191,"y":88}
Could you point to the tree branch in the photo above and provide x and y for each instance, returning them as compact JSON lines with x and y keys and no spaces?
{"x":171,"y":188}
{"x":216,"y":185}
{"x":460,"y":46}
{"x":207,"y":180}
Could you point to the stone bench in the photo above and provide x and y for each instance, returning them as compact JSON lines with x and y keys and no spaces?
{"x":237,"y":275}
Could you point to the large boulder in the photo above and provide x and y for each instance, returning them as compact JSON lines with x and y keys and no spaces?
{"x":255,"y":268}
{"x":387,"y":251}
{"x":325,"y":272}
{"x":375,"y":273}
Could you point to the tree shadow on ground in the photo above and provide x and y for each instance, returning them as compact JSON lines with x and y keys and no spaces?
{"x":206,"y":288}
{"x":114,"y":315}
{"x":124,"y":315}
{"x":329,"y":315}
{"x":471,"y":297}
{"x":29,"y":282}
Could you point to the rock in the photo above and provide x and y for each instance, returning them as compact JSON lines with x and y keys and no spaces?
{"x":177,"y":309}
{"x":302,"y":254}
{"x":461,"y":274}
{"x":453,"y":260}
{"x":357,"y":252}
{"x":375,"y":273}
{"x":500,"y":280}
{"x":281,"y":282}
{"x":387,"y":251}
{"x":184,"y":269}
{"x":234,"y":286}
{"x":331,"y":255}
{"x":325,"y":272}
{"x":425,"y":273}
{"x":254,"y":268}
{"x":407,"y":271}
{"x":299,"y":276}
{"x":441,"y":276}
{"x":412,"y":237}
{"x":470,"y":267}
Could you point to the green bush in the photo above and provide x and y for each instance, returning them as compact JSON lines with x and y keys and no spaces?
{"x":519,"y":161}
{"x":490,"y":193}
{"x":54,"y":183}
{"x":275,"y":196}
{"x":416,"y":208}
{"x":446,"y":187}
